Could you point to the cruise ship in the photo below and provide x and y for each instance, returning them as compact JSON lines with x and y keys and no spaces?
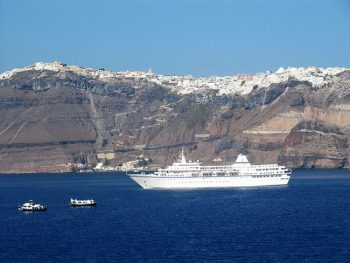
{"x":241,"y":173}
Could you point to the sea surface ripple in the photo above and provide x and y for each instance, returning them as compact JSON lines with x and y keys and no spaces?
{"x":306,"y":221}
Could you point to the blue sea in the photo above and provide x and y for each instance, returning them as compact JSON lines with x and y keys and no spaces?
{"x":306,"y":221}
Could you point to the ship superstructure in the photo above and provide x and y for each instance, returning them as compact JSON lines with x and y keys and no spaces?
{"x":241,"y":173}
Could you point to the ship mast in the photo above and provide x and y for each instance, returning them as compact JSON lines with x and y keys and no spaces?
{"x":183,"y":159}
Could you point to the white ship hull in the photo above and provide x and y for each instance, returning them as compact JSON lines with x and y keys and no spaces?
{"x":154,"y":181}
{"x":241,"y":173}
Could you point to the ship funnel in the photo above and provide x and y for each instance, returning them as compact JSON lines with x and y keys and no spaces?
{"x":241,"y":160}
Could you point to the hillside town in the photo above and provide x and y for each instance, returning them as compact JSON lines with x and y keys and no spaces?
{"x":241,"y":84}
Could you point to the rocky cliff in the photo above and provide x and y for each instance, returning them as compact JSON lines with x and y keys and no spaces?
{"x":53,"y":115}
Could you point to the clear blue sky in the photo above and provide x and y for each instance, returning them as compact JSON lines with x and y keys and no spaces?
{"x":197,"y":37}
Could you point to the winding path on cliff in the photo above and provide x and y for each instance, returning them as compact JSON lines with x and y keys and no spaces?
{"x":97,"y":120}
{"x":14,"y":122}
{"x":18,"y":132}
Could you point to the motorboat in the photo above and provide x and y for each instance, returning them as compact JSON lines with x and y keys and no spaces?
{"x":31,"y":206}
{"x":88,"y":202}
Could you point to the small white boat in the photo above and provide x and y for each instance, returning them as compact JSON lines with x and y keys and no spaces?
{"x":31,"y":206}
{"x":88,"y":202}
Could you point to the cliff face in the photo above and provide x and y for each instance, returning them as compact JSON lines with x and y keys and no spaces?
{"x":52,"y":115}
{"x":313,"y":144}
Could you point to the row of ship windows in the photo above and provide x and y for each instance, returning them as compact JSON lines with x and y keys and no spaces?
{"x":265,"y":173}
{"x":199,"y":175}
{"x":260,"y":176}
{"x":269,"y":169}
{"x":192,"y":182}
{"x":255,"y":176}
{"x":223,"y":173}
{"x":220,"y":175}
